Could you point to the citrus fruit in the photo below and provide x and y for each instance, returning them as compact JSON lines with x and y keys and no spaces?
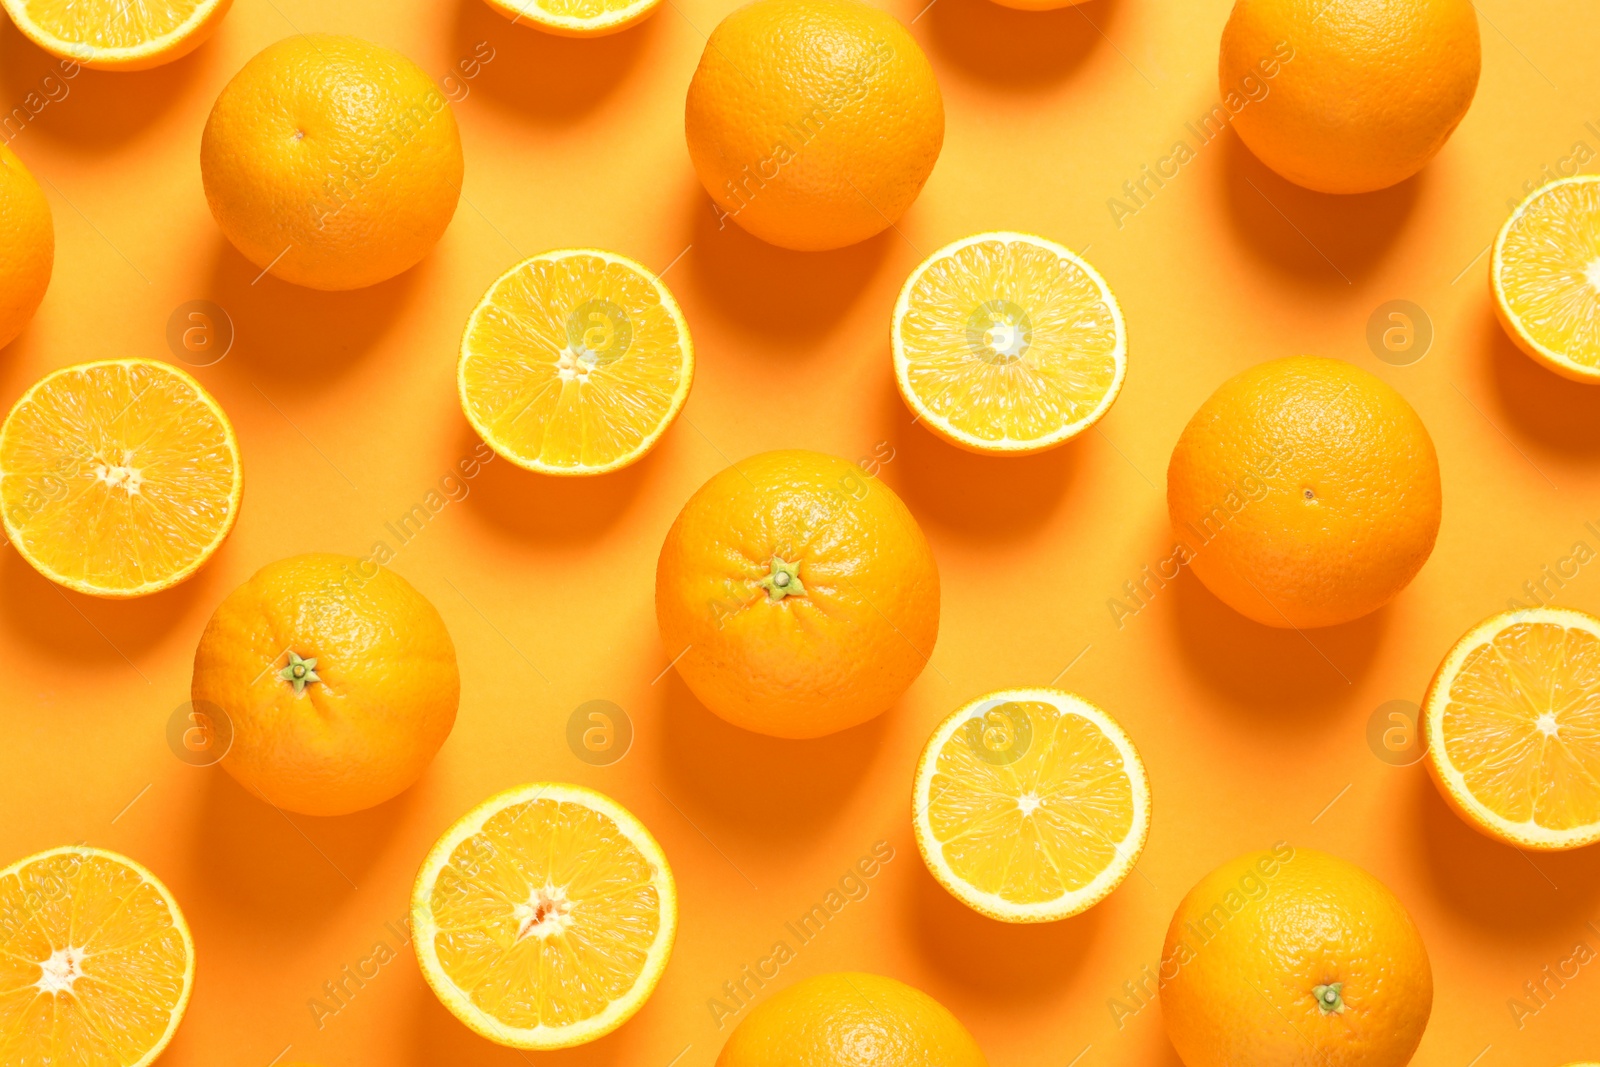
{"x":813,"y":123}
{"x":330,"y":162}
{"x":116,"y":34}
{"x":577,"y":18}
{"x":27,"y":245}
{"x":575,"y":362}
{"x":1348,"y":96}
{"x":850,"y":1020}
{"x":544,"y":917}
{"x":98,"y":961}
{"x":1297,"y":958}
{"x":1513,"y":727}
{"x":1545,"y":274}
{"x":1304,"y":492}
{"x":1030,"y":805}
{"x":118,"y":478}
{"x":337,"y":677}
{"x":1007,"y":343}
{"x":797,"y":594}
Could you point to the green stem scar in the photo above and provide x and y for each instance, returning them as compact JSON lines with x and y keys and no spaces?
{"x":300,"y":672}
{"x":1329,"y":998}
{"x":783,"y":581}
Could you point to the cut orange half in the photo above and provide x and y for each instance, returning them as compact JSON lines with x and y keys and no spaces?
{"x":118,"y":478}
{"x":576,"y":18}
{"x":1030,"y":805}
{"x":96,"y":961}
{"x":544,"y":917}
{"x":1513,"y":727}
{"x":117,"y":34}
{"x":1545,"y":273}
{"x":575,"y":362}
{"x":1007,"y":343}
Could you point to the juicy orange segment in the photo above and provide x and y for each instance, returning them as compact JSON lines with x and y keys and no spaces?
{"x":545,"y":916}
{"x":1545,"y":274}
{"x":118,"y":478}
{"x":96,"y":961}
{"x":1008,"y":343}
{"x":116,"y":34}
{"x":575,"y":362}
{"x":1513,"y":721}
{"x":576,"y":18}
{"x":1030,"y":805}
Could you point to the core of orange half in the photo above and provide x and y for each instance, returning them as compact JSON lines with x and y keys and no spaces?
{"x":1030,"y":805}
{"x":96,"y":961}
{"x":1007,"y":343}
{"x":1513,"y":727}
{"x":117,"y":34}
{"x":1545,"y":274}
{"x":575,"y":362}
{"x":544,"y":917}
{"x":576,"y":18}
{"x":118,"y":478}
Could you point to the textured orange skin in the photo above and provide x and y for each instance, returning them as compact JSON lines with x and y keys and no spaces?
{"x":1373,"y":91}
{"x":1262,"y":440}
{"x":1238,"y":991}
{"x":802,"y":666}
{"x":367,"y":190}
{"x":850,"y":1020}
{"x":27,"y":245}
{"x":820,"y":117}
{"x":388,"y":694}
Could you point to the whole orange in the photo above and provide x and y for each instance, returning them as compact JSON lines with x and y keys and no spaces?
{"x":850,"y":1020}
{"x":27,"y":245}
{"x":813,"y":123}
{"x":1348,"y":96}
{"x":331,"y":162}
{"x":1304,"y":492}
{"x":1294,"y":958}
{"x":797,"y":595}
{"x":338,"y":678}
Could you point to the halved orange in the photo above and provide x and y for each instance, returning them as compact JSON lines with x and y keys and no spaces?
{"x":1513,"y":727}
{"x":544,"y":918}
{"x":117,"y":34}
{"x":1545,"y":274}
{"x":576,"y":18}
{"x":96,"y":961}
{"x":575,"y":362}
{"x":118,"y":478}
{"x":1030,"y":805}
{"x":1007,"y":343}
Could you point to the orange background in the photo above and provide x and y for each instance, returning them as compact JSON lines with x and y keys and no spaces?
{"x":345,"y":406}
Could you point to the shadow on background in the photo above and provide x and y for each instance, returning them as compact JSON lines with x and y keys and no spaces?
{"x":92,"y":630}
{"x":976,"y":497}
{"x":549,"y":508}
{"x":543,"y":77}
{"x":789,"y":298}
{"x":1496,"y":886}
{"x":96,"y":110}
{"x":1016,"y":49}
{"x":1278,"y":679}
{"x":278,"y":873}
{"x":1011,"y":962}
{"x":1318,"y":238}
{"x":289,"y":332}
{"x":1556,"y":412}
{"x":440,"y":1038}
{"x":768,"y":792}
